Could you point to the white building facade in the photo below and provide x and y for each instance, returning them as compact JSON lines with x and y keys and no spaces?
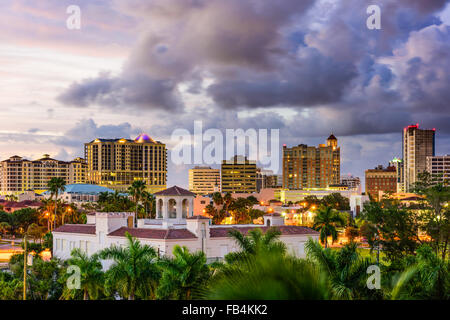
{"x":163,"y":234}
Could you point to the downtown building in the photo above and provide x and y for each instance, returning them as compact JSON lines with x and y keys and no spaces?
{"x":238,"y":175}
{"x":204,"y":180}
{"x":116,"y":163}
{"x":381,"y":179}
{"x":312,"y":167}
{"x":418,"y":144}
{"x":18,"y":175}
{"x":439,"y":168}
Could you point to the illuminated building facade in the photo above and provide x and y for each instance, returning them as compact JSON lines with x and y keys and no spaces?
{"x":18,"y":175}
{"x":381,"y":179}
{"x":418,"y":144}
{"x":398,"y":164}
{"x":116,"y":163}
{"x":238,"y":175}
{"x":311,"y":167}
{"x":439,"y":167}
{"x":204,"y":180}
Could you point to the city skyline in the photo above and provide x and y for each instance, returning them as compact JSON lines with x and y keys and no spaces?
{"x":63,"y":87}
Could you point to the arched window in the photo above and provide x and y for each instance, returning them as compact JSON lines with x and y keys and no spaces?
{"x":172,"y":209}
{"x":185,"y":208}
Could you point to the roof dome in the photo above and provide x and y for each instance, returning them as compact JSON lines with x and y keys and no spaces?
{"x":332,"y":137}
{"x":143,"y":137}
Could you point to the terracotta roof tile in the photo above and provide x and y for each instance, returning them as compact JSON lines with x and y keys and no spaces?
{"x":148,"y":233}
{"x":77,"y":228}
{"x":285,"y":230}
{"x":175,"y":191}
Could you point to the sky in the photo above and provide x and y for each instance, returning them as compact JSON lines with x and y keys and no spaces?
{"x":308,"y":68}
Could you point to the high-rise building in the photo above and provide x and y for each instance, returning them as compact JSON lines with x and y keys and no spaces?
{"x":311,"y":167}
{"x":398,"y":164}
{"x":418,"y":144}
{"x":18,"y":175}
{"x":381,"y":179}
{"x":353,"y":183}
{"x":439,"y":168}
{"x":116,"y":163}
{"x":204,"y":180}
{"x":238,"y":175}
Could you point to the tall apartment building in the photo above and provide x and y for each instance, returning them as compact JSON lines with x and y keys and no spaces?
{"x":418,"y":144}
{"x":399,"y":167}
{"x":18,"y":175}
{"x":238,"y":175}
{"x":311,"y":167}
{"x":381,"y":179}
{"x":204,"y":180}
{"x":116,"y":163}
{"x":439,"y":168}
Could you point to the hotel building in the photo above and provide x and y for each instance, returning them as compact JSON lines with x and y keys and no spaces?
{"x":418,"y":144}
{"x":439,"y":168}
{"x":204,"y":180}
{"x":353,"y":183}
{"x":381,"y":179}
{"x":238,"y":175}
{"x":398,"y":164}
{"x":18,"y":175}
{"x":116,"y":163}
{"x":311,"y":167}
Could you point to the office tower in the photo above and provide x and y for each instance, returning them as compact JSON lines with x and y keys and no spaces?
{"x":204,"y":180}
{"x":311,"y":167}
{"x":116,"y":163}
{"x":18,"y":175}
{"x":381,"y":179}
{"x":439,"y":168}
{"x":238,"y":175}
{"x":398,"y":164}
{"x":418,"y":144}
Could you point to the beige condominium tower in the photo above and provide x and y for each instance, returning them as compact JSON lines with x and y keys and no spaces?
{"x":18,"y":175}
{"x":307,"y":167}
{"x":418,"y":144}
{"x":204,"y":180}
{"x":116,"y":163}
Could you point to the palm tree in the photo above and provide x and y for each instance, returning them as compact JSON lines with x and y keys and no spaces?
{"x":55,"y":185}
{"x":255,"y":242}
{"x":326,"y":221}
{"x":91,"y":275}
{"x":136,"y":190}
{"x":268,"y":276}
{"x":183,"y":274}
{"x":4,"y":227}
{"x":149,"y":203}
{"x":134,"y":271}
{"x":345,"y":269}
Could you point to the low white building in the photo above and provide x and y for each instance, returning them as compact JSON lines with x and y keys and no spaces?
{"x":169,"y":229}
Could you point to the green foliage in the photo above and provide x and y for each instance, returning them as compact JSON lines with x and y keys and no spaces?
{"x":184,"y":275}
{"x":326,"y":222}
{"x":336,"y":201}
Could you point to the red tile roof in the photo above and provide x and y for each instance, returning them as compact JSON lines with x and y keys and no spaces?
{"x":285,"y":230}
{"x":175,"y":191}
{"x":77,"y":228}
{"x":148,"y":233}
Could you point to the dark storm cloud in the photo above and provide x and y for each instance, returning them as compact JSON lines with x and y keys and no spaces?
{"x":324,"y":63}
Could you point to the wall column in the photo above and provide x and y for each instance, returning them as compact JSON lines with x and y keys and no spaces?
{"x":179,"y":206}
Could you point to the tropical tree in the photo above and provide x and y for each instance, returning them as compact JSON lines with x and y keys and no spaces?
{"x":326,"y":221}
{"x":346,"y":270}
{"x":136,"y":190}
{"x":149,"y":201}
{"x":268,"y":276}
{"x":183,"y":275}
{"x":91,"y":276}
{"x":134,"y":272}
{"x":254,"y":243}
{"x":4,"y":227}
{"x":55,"y":186}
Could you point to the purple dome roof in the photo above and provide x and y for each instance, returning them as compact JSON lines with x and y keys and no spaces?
{"x":143,"y":137}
